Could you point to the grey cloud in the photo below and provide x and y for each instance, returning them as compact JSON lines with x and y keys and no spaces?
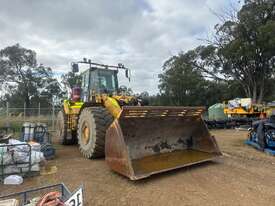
{"x":142,"y":34}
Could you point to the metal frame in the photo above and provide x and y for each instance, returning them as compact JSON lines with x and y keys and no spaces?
{"x":27,"y":195}
{"x":2,"y":165}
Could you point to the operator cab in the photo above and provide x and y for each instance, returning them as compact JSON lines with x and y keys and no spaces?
{"x":99,"y":81}
{"x":99,"y":78}
{"x":107,"y":81}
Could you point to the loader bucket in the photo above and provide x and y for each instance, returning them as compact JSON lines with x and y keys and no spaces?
{"x":147,"y":140}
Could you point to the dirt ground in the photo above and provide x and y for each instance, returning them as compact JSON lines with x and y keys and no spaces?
{"x":244,"y":176}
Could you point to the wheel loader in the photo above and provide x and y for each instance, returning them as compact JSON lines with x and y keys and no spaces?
{"x":136,"y":140}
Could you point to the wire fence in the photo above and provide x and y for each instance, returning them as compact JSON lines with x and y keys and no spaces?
{"x":16,"y":117}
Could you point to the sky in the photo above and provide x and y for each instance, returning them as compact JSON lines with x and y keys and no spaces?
{"x":141,"y":34}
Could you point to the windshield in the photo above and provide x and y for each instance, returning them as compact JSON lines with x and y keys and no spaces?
{"x":107,"y":81}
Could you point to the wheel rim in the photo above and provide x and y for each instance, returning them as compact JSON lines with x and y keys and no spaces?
{"x":85,"y":134}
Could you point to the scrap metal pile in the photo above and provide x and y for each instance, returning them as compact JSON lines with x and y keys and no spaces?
{"x":235,"y":113}
{"x":262,"y":135}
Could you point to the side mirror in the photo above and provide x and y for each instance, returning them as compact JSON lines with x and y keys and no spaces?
{"x":75,"y":68}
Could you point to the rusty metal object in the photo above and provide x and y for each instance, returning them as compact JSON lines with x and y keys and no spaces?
{"x":147,"y":140}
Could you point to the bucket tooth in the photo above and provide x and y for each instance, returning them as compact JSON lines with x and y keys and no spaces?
{"x":147,"y":140}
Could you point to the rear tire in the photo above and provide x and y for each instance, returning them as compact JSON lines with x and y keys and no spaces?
{"x":62,"y":130}
{"x":92,"y":125}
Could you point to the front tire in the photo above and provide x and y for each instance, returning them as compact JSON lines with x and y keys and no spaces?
{"x":92,"y":125}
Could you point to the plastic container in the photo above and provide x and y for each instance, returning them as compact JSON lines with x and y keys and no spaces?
{"x":28,"y":131}
{"x":215,"y":112}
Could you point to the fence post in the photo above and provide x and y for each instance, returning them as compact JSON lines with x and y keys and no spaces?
{"x":7,"y":109}
{"x":39,"y":111}
{"x":24,"y":111}
{"x":53,"y":117}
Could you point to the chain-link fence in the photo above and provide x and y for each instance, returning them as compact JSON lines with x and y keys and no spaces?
{"x":15,"y":117}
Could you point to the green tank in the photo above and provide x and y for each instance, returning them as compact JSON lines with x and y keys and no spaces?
{"x":215,"y":112}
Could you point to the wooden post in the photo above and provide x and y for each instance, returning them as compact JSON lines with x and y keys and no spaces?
{"x":53,"y":117}
{"x":39,"y":111}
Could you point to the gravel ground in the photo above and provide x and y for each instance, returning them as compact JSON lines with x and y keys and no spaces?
{"x":244,"y":176}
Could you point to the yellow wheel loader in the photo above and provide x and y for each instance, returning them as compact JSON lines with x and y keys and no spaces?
{"x":137,"y":141}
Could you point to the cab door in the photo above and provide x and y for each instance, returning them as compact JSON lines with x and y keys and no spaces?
{"x":85,"y":86}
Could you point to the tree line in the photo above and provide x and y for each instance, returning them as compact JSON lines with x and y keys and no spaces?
{"x":24,"y":81}
{"x":237,"y":62}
